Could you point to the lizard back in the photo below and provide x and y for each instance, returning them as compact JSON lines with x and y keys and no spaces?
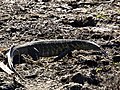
{"x":54,"y":47}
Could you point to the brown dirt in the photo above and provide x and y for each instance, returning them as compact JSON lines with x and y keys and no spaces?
{"x":27,"y":20}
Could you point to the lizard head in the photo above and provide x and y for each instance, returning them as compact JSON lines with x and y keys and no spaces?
{"x":88,"y":45}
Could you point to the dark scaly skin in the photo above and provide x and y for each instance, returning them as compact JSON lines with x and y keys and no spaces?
{"x":47,"y":48}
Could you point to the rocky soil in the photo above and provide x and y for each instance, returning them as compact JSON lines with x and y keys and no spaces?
{"x":23,"y":21}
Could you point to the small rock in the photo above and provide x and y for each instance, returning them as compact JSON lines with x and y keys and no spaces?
{"x":1,"y":37}
{"x":12,"y":29}
{"x":96,"y":36}
{"x":104,"y":62}
{"x":90,"y":63}
{"x":75,"y":87}
{"x":94,"y":80}
{"x":78,"y":78}
{"x":70,"y":86}
{"x":46,"y":0}
{"x":76,"y":23}
{"x":116,"y":58}
{"x":73,"y":4}
{"x":65,"y":79}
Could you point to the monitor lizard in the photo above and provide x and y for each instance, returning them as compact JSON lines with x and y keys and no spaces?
{"x":47,"y":48}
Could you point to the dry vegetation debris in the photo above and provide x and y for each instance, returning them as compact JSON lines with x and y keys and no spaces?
{"x":22,"y":21}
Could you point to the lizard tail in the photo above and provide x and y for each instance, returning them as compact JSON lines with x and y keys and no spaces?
{"x":10,"y":57}
{"x":10,"y":61}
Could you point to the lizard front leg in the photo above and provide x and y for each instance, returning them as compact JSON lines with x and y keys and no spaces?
{"x":34,"y":53}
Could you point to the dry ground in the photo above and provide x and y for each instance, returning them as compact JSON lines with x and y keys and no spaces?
{"x":98,"y":21}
